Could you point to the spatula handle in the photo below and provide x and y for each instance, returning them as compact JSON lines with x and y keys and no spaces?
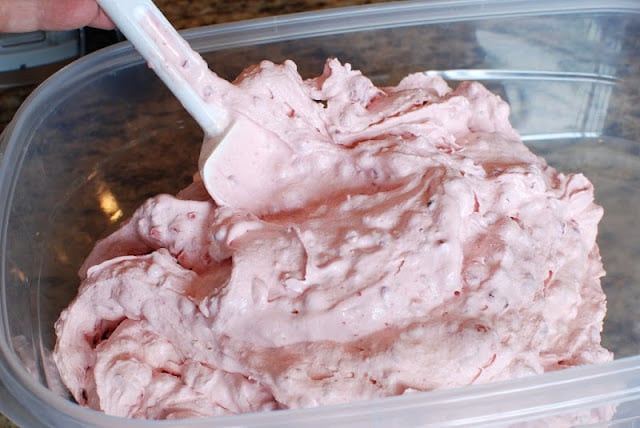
{"x":182,"y":69}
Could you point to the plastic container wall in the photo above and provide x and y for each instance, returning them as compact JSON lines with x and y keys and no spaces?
{"x":80,"y":156}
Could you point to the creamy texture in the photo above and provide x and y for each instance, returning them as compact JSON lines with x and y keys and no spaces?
{"x":359,"y":242}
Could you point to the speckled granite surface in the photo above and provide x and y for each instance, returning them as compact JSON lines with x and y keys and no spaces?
{"x":194,"y":13}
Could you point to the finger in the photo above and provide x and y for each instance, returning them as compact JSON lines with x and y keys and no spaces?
{"x":102,"y":21}
{"x":70,"y":14}
{"x":31,"y":15}
{"x":18,"y":15}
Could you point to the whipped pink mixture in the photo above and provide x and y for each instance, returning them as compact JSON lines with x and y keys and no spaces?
{"x":358,"y":242}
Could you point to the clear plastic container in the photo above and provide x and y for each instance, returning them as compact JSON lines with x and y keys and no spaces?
{"x":103,"y":134}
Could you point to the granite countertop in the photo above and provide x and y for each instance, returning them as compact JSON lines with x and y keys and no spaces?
{"x":189,"y":14}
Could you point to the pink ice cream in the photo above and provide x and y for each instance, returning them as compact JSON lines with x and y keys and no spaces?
{"x":359,"y":242}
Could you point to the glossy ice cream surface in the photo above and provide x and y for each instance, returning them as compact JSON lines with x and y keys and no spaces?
{"x":347,"y":242}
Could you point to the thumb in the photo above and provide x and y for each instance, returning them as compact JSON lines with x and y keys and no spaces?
{"x":32,"y":15}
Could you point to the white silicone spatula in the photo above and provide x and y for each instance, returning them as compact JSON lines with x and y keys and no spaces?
{"x":170,"y":57}
{"x":228,"y":177}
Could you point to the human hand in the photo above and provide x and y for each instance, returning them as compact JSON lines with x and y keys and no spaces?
{"x":51,"y":15}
